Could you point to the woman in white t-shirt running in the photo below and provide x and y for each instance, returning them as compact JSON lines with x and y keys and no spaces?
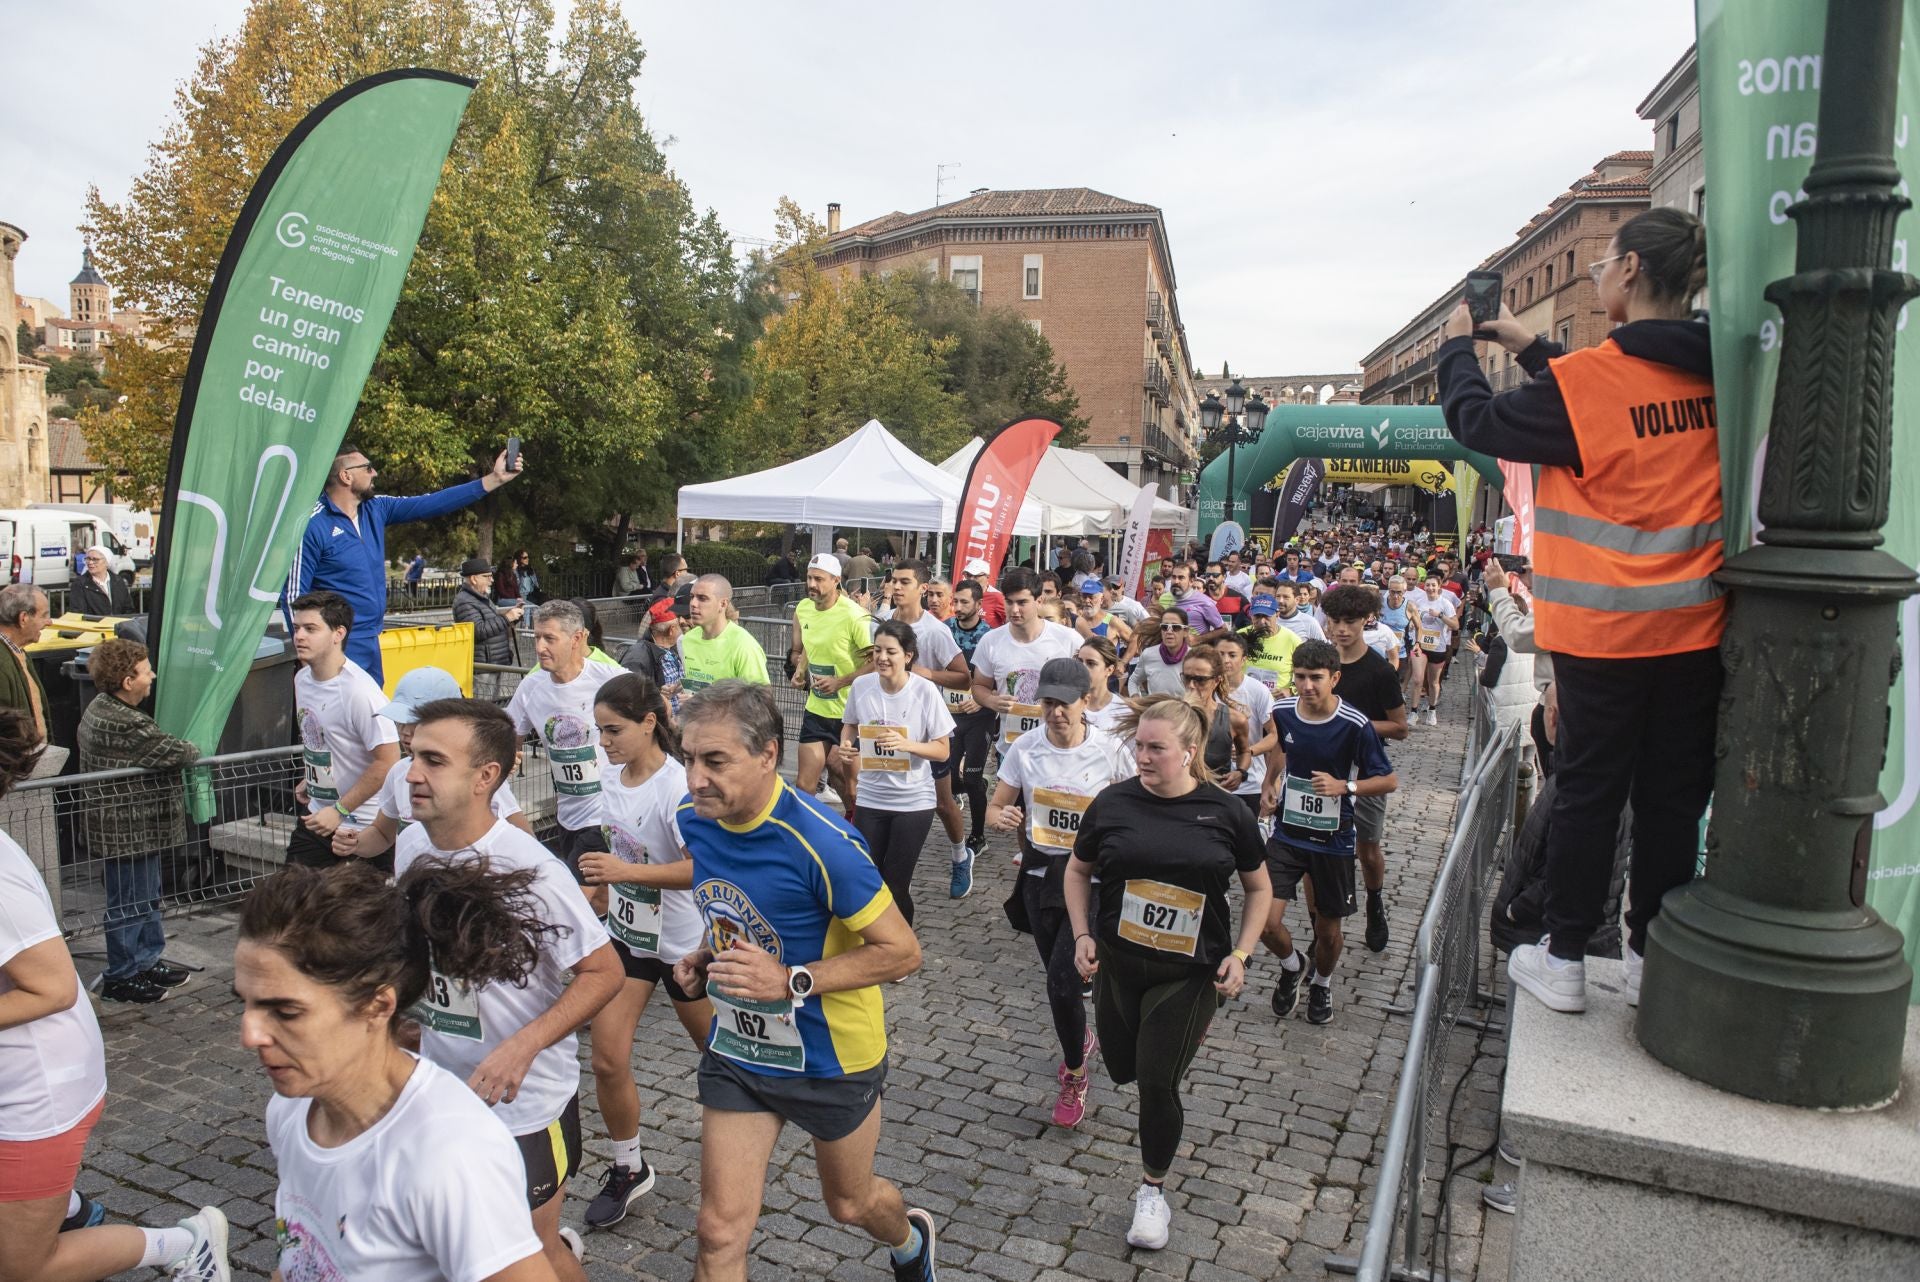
{"x":391,"y":1169}
{"x":650,"y":915}
{"x":1048,"y":778}
{"x":1105,"y":709}
{"x":53,"y":1086}
{"x":895,"y":725}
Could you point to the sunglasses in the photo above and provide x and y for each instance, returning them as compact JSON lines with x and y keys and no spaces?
{"x":1173,"y":627}
{"x":1195,"y":679}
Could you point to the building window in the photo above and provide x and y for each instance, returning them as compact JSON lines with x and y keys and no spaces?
{"x":1566,"y":335}
{"x":1673,"y":133}
{"x":964,"y":272}
{"x":1698,"y":201}
{"x":1529,"y":291}
{"x":1030,"y":277}
{"x":1549,"y":278}
{"x":1569,"y":264}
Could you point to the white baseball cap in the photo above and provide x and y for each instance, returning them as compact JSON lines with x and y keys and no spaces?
{"x":975,"y":566}
{"x":827,"y":561}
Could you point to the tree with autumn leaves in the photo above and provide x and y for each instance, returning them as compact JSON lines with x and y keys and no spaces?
{"x":565,"y":289}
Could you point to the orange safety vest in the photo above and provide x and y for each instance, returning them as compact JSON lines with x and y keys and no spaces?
{"x":1625,"y":549}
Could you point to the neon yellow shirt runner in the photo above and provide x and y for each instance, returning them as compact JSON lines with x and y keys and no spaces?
{"x":732,"y":654}
{"x":835,"y":639}
{"x":1270,"y":658}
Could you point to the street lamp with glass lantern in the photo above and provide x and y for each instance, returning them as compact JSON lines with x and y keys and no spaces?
{"x":1238,"y":422}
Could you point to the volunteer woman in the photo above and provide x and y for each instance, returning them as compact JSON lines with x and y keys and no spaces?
{"x":650,"y":915}
{"x":1048,"y":778}
{"x":1252,"y":697}
{"x":1165,"y":847}
{"x":1104,"y":708}
{"x":53,"y":1086}
{"x":895,"y":725}
{"x":391,"y":1169}
{"x":1627,"y":538}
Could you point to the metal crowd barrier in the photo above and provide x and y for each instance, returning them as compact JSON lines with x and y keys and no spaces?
{"x":1446,"y":978}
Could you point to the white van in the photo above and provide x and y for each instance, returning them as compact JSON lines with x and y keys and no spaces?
{"x":45,"y":540}
{"x":134,"y":530}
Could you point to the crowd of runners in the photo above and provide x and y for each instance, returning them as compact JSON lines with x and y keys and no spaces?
{"x":414,"y":981}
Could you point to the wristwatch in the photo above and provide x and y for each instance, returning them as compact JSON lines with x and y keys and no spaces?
{"x":799,"y":984}
{"x":1353,"y":787}
{"x":1244,"y":956}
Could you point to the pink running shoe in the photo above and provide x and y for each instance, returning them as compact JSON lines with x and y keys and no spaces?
{"x":1088,"y":1049}
{"x":1072,"y":1104}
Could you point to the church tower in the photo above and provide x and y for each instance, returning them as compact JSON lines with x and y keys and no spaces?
{"x":89,"y":295}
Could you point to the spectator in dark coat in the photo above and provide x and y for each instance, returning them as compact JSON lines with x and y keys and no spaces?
{"x":1517,"y":916}
{"x":99,"y":590}
{"x":492,"y":626}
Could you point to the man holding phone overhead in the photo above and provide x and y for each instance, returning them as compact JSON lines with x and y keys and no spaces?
{"x":345,"y":547}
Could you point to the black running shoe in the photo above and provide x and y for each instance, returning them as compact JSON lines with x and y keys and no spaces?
{"x":1319,"y":1003}
{"x":978,"y":845}
{"x":920,"y":1267}
{"x":91,"y":1215}
{"x":135,"y":988}
{"x":166,"y":976}
{"x":1286,"y":993}
{"x":1376,"y":925}
{"x":620,"y":1191}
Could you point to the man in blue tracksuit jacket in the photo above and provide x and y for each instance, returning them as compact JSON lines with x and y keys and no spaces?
{"x":345,"y":546}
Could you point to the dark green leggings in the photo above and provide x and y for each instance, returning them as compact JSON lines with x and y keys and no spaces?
{"x":1151,"y":1015}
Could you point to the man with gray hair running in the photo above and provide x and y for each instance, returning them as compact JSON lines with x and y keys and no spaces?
{"x":554,"y":705}
{"x":801,"y":934}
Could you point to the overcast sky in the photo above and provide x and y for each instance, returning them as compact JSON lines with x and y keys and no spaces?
{"x":1326,"y":169}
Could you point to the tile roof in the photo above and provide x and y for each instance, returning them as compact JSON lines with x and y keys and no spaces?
{"x":1037,"y":202}
{"x":67,"y":448}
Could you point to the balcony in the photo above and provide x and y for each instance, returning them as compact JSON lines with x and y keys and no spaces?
{"x":1156,"y":440}
{"x":1156,"y":382}
{"x":1381,"y":389}
{"x":1156,"y":314}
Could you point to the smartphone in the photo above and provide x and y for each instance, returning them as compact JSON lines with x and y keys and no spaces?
{"x":1483,"y":296}
{"x":513,"y":442}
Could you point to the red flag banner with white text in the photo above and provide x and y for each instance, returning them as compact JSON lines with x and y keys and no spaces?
{"x":996,"y":486}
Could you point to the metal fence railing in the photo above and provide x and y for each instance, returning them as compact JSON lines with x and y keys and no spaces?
{"x":1446,"y":955}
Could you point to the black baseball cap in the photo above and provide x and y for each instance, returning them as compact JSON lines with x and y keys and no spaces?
{"x":1064,"y":680}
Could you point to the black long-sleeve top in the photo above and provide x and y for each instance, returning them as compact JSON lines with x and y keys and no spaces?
{"x":1529,"y":424}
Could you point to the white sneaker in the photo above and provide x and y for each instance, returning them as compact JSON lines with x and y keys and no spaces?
{"x":1630,"y":974}
{"x":1562,"y":988}
{"x":206,"y":1260}
{"x":1151,"y":1215}
{"x":571,"y":1237}
{"x":1433,"y":716}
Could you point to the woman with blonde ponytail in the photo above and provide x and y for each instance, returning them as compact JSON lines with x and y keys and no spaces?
{"x":1159,"y":939}
{"x":1628,"y":537}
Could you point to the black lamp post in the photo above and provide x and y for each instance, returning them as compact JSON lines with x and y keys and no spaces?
{"x":1770,"y":976}
{"x":1238,"y":422}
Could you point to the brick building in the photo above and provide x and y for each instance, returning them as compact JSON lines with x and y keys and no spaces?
{"x":1546,"y":285}
{"x":1094,"y":274}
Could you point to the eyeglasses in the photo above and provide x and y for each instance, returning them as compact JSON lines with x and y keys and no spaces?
{"x":1593,"y":269}
{"x":1173,"y":627}
{"x":1196,"y":679}
{"x":355,"y":467}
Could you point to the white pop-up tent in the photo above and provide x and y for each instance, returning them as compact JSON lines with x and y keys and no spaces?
{"x":1082,"y":495}
{"x":870,"y":480}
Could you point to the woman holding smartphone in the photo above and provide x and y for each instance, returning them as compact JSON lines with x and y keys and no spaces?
{"x":1627,"y":539}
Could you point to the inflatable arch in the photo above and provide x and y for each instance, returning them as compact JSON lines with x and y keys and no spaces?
{"x":1331,"y":431}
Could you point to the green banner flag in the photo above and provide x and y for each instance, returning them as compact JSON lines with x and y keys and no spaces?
{"x":1760,"y":104}
{"x":297,"y":312}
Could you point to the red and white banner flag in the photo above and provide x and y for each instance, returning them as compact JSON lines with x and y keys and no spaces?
{"x":1519,"y":496}
{"x":996,"y":486}
{"x":1133,"y":545}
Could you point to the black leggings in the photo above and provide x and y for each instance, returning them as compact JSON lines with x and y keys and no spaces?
{"x":1151,"y":1016}
{"x":1053,"y":935}
{"x":972,"y":736}
{"x":894,"y":838}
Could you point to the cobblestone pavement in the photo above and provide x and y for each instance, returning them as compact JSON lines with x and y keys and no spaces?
{"x":1284,"y":1121}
